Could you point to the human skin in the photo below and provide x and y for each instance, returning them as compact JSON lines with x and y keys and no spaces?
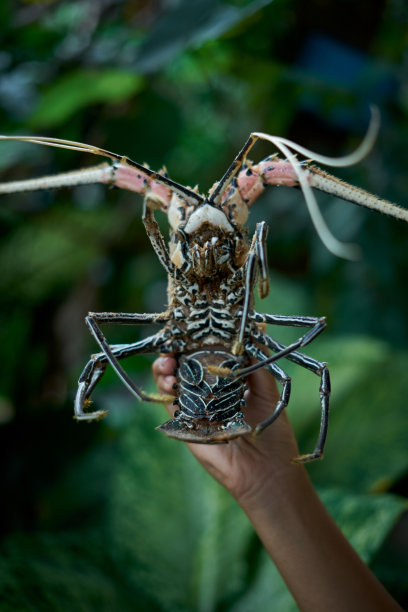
{"x":320,"y":568}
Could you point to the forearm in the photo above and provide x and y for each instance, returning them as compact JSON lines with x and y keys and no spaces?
{"x":321,"y":569}
{"x":319,"y":566}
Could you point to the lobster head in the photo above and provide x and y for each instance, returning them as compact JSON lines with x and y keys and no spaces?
{"x":208,"y":239}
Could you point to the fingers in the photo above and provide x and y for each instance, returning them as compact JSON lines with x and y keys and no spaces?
{"x":263,"y":386}
{"x":163,"y":373}
{"x":261,"y":398}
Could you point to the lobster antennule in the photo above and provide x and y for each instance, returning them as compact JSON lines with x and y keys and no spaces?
{"x":344,"y":161}
{"x":312,"y":177}
{"x":60,"y":143}
{"x":346,"y":251}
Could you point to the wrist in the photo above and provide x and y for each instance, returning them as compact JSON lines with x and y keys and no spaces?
{"x":280,"y":489}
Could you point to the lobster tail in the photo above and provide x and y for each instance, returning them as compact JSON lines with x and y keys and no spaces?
{"x":209,"y":407}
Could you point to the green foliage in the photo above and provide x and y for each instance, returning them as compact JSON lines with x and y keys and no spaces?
{"x":163,"y":534}
{"x":113,"y":515}
{"x":71,"y":93}
{"x":191,"y":24}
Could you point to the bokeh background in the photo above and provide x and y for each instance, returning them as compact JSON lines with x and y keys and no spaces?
{"x":112,"y":515}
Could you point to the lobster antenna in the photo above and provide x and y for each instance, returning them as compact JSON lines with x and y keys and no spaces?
{"x":80,"y":146}
{"x":344,"y":250}
{"x":351,"y":159}
{"x":338,"y":248}
{"x":232,"y":171}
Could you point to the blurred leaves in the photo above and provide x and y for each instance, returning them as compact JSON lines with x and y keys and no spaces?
{"x":364,"y":519}
{"x":70,"y":94}
{"x":191,"y":24}
{"x":141,"y":542}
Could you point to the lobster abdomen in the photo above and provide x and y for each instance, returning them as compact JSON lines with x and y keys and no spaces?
{"x":209,"y":407}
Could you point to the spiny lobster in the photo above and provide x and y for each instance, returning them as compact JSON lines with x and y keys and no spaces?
{"x":210,"y":323}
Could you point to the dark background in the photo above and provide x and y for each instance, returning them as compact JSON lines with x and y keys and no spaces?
{"x":113,"y":515}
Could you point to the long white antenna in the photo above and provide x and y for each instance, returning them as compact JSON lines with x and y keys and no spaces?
{"x":314,"y":177}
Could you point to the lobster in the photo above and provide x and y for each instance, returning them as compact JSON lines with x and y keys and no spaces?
{"x":210,"y":323}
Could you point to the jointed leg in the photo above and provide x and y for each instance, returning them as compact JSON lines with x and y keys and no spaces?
{"x":256,"y":257}
{"x":318,"y":327}
{"x":299,"y":358}
{"x":282,"y":378}
{"x":91,"y":375}
{"x":261,"y":233}
{"x":149,"y":345}
{"x":156,"y":238}
{"x":285,"y":320}
{"x":324,"y":420}
{"x":129,"y":318}
{"x":96,"y":367}
{"x":319,"y":368}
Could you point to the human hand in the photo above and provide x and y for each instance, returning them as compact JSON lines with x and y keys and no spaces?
{"x":244,"y":465}
{"x":283,"y":507}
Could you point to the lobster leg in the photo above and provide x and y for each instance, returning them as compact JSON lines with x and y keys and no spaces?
{"x":280,"y":375}
{"x":261,"y":234}
{"x":286,"y":320}
{"x":317,"y":329}
{"x":129,"y":318}
{"x":289,"y":352}
{"x":324,"y":420}
{"x":319,"y":368}
{"x":91,"y":375}
{"x":156,"y":238}
{"x":295,"y":356}
{"x":257,"y":255}
{"x":96,"y":367}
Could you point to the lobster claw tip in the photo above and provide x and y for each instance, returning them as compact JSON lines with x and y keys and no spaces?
{"x":161,"y":398}
{"x":307,"y":458}
{"x":91,"y":416}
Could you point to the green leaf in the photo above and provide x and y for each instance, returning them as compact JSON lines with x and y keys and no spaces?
{"x":83,"y":88}
{"x":365,"y":520}
{"x":191,"y":24}
{"x":52,"y":250}
{"x":176,"y":527}
{"x":150,"y":523}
